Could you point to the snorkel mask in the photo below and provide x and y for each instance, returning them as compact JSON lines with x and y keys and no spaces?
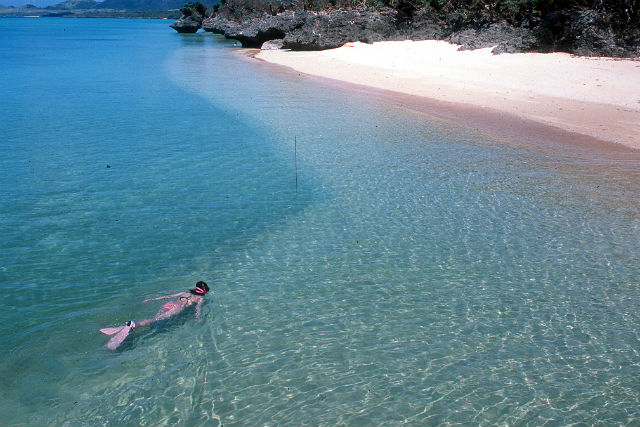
{"x":201,"y":288}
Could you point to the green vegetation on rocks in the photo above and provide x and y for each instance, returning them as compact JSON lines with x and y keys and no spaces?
{"x":197,"y":10}
{"x":619,"y":14}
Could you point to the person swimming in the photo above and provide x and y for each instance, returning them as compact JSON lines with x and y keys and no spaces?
{"x":181,"y":301}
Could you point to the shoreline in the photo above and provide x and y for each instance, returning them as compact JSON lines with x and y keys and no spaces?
{"x":549,"y":98}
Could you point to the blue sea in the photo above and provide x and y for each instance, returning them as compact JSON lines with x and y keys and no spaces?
{"x":370,"y":264}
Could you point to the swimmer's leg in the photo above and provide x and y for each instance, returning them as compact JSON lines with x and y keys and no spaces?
{"x":162,"y":315}
{"x":122,"y":332}
{"x":145,"y":322}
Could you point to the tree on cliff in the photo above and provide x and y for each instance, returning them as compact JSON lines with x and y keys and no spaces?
{"x":196,"y":10}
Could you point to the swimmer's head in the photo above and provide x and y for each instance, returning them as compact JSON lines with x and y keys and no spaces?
{"x":201,"y":288}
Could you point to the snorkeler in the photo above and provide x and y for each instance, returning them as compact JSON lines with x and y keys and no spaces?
{"x":181,"y":301}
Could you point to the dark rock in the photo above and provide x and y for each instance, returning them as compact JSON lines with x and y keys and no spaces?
{"x":503,"y":37}
{"x":423,"y":26}
{"x":583,"y":33}
{"x":254,"y":32}
{"x":187,"y":24}
{"x":580,"y":32}
{"x":331,"y":30}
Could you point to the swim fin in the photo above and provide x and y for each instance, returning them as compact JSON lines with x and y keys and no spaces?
{"x":120,"y":336}
{"x":111,"y":331}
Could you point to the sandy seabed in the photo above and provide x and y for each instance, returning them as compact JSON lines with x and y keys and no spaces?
{"x":596,"y":97}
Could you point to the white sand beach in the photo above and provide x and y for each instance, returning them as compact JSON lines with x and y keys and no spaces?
{"x":598,"y":97}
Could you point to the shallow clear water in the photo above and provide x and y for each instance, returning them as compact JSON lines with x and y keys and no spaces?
{"x":421,"y":274}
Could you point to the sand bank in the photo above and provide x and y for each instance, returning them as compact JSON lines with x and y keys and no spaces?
{"x":597,"y":97}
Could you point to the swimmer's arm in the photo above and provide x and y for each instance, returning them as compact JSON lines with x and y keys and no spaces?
{"x":198,"y":306}
{"x":164,"y":297}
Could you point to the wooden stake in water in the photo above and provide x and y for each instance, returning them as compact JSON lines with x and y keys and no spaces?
{"x":295,"y":158}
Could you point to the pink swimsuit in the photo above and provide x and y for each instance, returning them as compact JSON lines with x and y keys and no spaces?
{"x":169,"y":306}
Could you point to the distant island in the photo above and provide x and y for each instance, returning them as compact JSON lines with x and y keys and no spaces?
{"x":104,"y":9}
{"x":581,"y":27}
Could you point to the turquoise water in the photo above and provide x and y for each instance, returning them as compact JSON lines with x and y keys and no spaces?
{"x":421,"y":274}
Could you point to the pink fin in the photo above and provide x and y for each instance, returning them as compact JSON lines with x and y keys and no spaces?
{"x":119,"y":337}
{"x":111,"y":331}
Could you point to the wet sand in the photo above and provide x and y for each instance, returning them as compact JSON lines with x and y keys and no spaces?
{"x":577,"y":100}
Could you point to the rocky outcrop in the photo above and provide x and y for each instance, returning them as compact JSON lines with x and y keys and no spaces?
{"x":330,"y":30}
{"x":254,"y":32}
{"x":190,"y":21}
{"x":502,"y":37}
{"x":580,"y":32}
{"x":187,"y":24}
{"x":302,"y":30}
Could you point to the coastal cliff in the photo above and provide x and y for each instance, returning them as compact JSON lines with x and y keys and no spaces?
{"x":307,"y":30}
{"x":190,"y":21}
{"x":578,"y":30}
